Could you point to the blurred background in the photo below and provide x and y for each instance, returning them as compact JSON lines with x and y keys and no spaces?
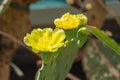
{"x":103,"y":14}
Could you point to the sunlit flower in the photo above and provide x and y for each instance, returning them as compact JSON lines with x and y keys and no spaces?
{"x":68,"y":21}
{"x":45,"y":40}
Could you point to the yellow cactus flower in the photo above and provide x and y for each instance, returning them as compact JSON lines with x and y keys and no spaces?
{"x":68,"y":21}
{"x":45,"y":40}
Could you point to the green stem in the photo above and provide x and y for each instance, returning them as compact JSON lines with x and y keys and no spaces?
{"x":47,"y":72}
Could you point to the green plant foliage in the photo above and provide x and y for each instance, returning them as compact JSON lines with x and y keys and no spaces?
{"x":57,"y":68}
{"x":82,"y":36}
{"x":113,"y":58}
{"x":68,"y":54}
{"x":71,"y":34}
{"x":65,"y":60}
{"x":94,"y":64}
{"x":105,"y":39}
{"x":47,"y":72}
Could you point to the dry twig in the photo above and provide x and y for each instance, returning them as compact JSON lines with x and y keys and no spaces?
{"x":4,"y":6}
{"x":116,"y":17}
{"x":72,"y":77}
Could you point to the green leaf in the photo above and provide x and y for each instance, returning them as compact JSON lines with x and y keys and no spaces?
{"x":82,"y":36}
{"x":95,"y":66}
{"x":65,"y":60}
{"x":71,"y":34}
{"x":48,"y":69}
{"x":104,"y":38}
{"x":58,"y":68}
{"x":47,"y":72}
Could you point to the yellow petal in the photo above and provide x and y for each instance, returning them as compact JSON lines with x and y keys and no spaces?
{"x":68,"y":21}
{"x":36,"y":34}
{"x":58,"y":36}
{"x":45,"y":40}
{"x":28,"y":40}
{"x":47,"y":32}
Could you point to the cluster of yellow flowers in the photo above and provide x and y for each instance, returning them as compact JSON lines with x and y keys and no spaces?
{"x":49,"y":40}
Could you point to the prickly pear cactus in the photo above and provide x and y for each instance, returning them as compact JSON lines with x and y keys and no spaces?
{"x":65,"y":60}
{"x":56,"y":67}
{"x":59,"y":48}
{"x":101,"y":66}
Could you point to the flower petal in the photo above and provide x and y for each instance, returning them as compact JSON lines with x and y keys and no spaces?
{"x":68,"y":21}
